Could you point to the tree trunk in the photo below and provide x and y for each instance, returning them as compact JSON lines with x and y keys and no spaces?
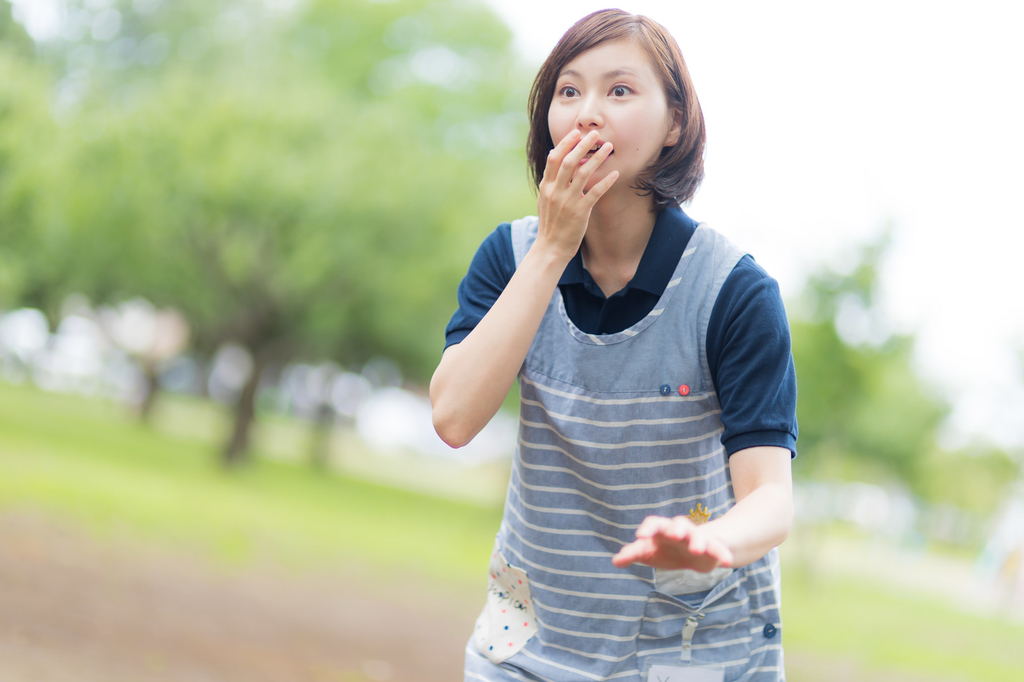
{"x":152,"y":389}
{"x":320,"y":442}
{"x":236,"y":452}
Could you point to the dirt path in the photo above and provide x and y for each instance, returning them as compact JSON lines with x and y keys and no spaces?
{"x":73,"y":610}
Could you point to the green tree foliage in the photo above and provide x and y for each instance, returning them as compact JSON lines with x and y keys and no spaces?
{"x":26,"y":133}
{"x":319,"y":197}
{"x":975,"y":479}
{"x":861,"y":405}
{"x":864,"y":412}
{"x":13,"y":37}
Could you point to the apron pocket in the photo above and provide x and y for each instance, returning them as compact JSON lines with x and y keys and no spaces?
{"x":686,"y":581}
{"x":706,"y":628}
{"x":507,"y":622}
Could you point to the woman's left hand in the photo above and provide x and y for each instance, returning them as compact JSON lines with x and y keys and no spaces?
{"x":674,"y":543}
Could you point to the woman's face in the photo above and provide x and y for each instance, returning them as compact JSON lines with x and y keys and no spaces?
{"x":613,"y":89}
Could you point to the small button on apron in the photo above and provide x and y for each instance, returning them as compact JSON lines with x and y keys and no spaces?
{"x":770,"y":630}
{"x":665,"y":389}
{"x":684,"y":390}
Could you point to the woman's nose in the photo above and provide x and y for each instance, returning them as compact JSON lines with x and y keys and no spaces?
{"x":589,"y":114}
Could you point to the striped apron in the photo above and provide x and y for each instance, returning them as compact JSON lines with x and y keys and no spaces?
{"x":614,"y":428}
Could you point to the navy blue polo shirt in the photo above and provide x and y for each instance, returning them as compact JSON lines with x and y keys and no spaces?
{"x":748,"y":342}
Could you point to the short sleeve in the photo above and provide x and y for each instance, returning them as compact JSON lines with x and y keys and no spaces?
{"x":750,"y":357}
{"x":489,"y":272}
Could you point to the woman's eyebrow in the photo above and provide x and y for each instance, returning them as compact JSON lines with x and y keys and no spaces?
{"x":608,"y":75}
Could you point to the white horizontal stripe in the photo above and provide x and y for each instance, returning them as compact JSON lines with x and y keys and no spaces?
{"x":766,"y":647}
{"x":619,"y":424}
{"x":628,"y":444}
{"x":689,"y":610}
{"x":529,"y":679}
{"x":662,"y":650}
{"x":630,"y":332}
{"x":722,"y":626}
{"x":769,"y":607}
{"x":616,"y":401}
{"x":628,"y":465}
{"x":760,"y":590}
{"x":625,"y":507}
{"x":576,"y":574}
{"x":682,"y":615}
{"x":767,"y":669}
{"x":710,"y":645}
{"x":623,"y":486}
{"x":759,"y":571}
{"x":588,"y":595}
{"x":589,"y":676}
{"x":728,"y":605}
{"x":559,"y":531}
{"x":584,"y":654}
{"x":584,"y":614}
{"x":583,"y":512}
{"x":588,"y":635}
{"x":723,"y":644}
{"x":739,"y":661}
{"x":656,"y":312}
{"x":570,"y":512}
{"x":757,"y":630}
{"x":595,"y":339}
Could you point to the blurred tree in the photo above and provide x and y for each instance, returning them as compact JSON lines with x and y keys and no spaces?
{"x":976,"y":479}
{"x":114,"y":41}
{"x":26,"y":130}
{"x":13,"y":37}
{"x":861,"y":404}
{"x":313,"y":202}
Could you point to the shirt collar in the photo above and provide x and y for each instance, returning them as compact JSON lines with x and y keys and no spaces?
{"x":672,"y":231}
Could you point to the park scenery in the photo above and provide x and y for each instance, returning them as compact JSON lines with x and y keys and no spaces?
{"x":231,"y":233}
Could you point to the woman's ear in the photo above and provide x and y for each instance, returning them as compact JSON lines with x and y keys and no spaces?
{"x":675,"y":130}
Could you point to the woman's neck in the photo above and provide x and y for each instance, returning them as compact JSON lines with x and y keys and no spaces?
{"x":617,"y":234}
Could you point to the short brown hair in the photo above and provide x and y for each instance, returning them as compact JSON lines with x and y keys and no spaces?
{"x":678,"y":172}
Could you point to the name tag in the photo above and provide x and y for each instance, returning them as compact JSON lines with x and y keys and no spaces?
{"x":685,"y":673}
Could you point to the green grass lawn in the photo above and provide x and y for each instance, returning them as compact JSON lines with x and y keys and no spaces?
{"x":89,"y":462}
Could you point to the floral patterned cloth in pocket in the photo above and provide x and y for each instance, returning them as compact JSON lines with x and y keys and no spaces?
{"x":507,"y":621}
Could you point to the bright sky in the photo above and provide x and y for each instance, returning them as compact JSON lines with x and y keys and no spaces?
{"x":826,"y":120}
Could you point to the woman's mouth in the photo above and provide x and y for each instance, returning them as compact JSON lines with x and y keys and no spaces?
{"x":593,"y":150}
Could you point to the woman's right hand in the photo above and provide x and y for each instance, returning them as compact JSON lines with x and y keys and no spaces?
{"x":563,"y":204}
{"x":474,"y":376}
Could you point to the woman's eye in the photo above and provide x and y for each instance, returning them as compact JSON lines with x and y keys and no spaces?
{"x":620,"y":91}
{"x":569,"y":91}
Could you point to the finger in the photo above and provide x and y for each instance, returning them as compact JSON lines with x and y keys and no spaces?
{"x":681,"y":528}
{"x":558,"y":153}
{"x":640,"y":550}
{"x":591,"y":165}
{"x":595,"y":193}
{"x":571,"y":161}
{"x":651,"y":526}
{"x":698,"y":541}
